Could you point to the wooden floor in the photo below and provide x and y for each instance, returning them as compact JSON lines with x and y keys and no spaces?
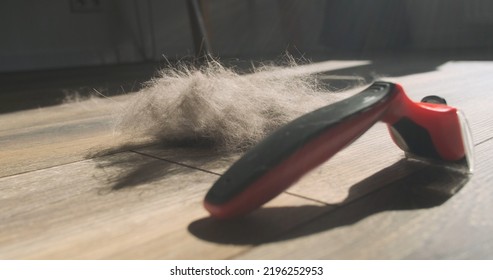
{"x":61,"y":198}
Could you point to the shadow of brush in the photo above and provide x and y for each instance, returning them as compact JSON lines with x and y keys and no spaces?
{"x":424,"y":187}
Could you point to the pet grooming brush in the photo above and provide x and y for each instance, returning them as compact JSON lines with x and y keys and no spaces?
{"x":429,"y":130}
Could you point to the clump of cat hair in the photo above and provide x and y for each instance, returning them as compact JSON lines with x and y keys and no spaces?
{"x":216,"y":106}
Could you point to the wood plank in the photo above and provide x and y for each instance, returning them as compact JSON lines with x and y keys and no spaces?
{"x":42,"y":147}
{"x":36,"y":139}
{"x":76,"y":108}
{"x":121,"y":206}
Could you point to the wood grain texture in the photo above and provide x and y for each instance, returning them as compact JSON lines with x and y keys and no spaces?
{"x":35,"y":139}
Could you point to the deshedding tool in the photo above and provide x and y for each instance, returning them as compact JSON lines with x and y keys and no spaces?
{"x":429,"y":130}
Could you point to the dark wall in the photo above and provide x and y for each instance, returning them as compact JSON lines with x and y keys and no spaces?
{"x":57,"y":33}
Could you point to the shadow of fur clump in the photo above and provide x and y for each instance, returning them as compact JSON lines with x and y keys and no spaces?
{"x":215,"y":106}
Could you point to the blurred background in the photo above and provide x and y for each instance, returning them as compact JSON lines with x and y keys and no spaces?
{"x":70,"y":33}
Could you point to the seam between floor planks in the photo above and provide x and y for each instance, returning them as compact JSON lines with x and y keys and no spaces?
{"x":177,"y":163}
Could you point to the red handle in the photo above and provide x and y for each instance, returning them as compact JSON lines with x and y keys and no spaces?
{"x":427,"y":130}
